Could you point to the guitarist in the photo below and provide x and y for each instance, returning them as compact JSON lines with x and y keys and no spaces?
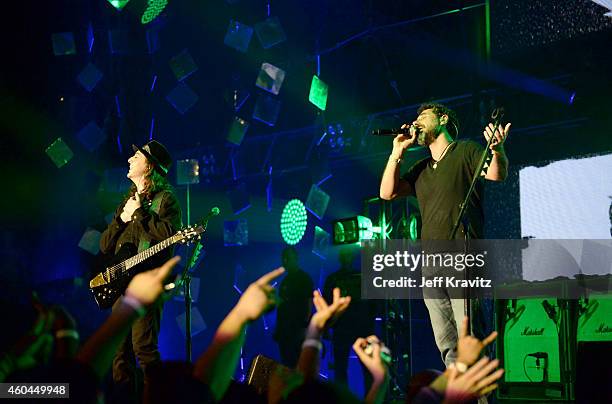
{"x":149,"y":213}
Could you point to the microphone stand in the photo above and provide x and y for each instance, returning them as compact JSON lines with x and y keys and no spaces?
{"x":185,"y":279}
{"x":497,"y":115}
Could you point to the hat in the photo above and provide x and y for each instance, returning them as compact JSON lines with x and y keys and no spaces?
{"x":157,"y":154}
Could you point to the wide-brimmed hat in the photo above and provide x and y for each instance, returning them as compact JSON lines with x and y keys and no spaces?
{"x":157,"y":154}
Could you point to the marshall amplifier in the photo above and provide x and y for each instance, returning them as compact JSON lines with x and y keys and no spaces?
{"x":595,"y":320}
{"x":533,"y":349}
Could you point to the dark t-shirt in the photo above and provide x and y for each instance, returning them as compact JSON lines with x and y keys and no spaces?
{"x":440,"y":191}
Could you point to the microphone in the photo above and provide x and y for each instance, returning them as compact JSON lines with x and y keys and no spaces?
{"x":213,"y":212}
{"x":395,"y":131}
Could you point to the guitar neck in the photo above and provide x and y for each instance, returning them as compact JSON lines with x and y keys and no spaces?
{"x":149,"y":252}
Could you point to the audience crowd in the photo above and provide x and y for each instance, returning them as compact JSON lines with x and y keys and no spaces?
{"x":50,"y":351}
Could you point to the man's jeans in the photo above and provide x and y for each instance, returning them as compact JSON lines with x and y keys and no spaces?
{"x":446,"y":315}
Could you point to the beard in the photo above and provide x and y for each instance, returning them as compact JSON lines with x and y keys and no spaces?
{"x":427,"y":137}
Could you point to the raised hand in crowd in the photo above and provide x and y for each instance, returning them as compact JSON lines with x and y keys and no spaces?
{"x":259,"y":297}
{"x":477,"y":381}
{"x":325,"y":316}
{"x":143,"y":290}
{"x":216,"y":366}
{"x":148,"y":286}
{"x":371,"y":358}
{"x":468,"y":378}
{"x":470,"y":347}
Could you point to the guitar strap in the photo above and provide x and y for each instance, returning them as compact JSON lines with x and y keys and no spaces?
{"x":145,"y":241}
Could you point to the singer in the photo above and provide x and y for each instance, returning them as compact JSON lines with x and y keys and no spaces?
{"x":440,"y":183}
{"x":149,"y":213}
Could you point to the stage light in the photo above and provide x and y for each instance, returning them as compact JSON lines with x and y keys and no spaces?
{"x":353,"y":230}
{"x":318,"y":93}
{"x":154,"y":8}
{"x":294,"y":220}
{"x":414,"y":227}
{"x":118,"y":4}
{"x":335,"y":138}
{"x":148,"y":10}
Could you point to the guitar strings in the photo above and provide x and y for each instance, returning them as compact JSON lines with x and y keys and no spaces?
{"x":113,"y":270}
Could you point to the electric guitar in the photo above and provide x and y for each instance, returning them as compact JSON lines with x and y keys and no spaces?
{"x":109,"y":284}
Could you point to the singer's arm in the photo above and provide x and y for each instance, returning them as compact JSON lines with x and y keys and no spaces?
{"x":498,"y":169}
{"x":391,"y":185}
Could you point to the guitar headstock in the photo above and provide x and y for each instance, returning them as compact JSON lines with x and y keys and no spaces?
{"x":191,"y":233}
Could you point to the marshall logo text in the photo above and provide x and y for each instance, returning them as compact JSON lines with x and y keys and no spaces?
{"x":528,"y":331}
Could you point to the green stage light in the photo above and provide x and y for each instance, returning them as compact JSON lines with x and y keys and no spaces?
{"x":353,"y":230}
{"x":293,"y":222}
{"x":118,"y":4}
{"x":414,"y":227}
{"x":154,"y":8}
{"x":318,"y":93}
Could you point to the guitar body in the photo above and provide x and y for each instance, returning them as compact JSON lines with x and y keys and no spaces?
{"x":111,"y":282}
{"x":113,"y":287}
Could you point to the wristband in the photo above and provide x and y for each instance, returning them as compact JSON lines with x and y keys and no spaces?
{"x":312,"y":343}
{"x":135,"y":304}
{"x":397,"y":160}
{"x":67,"y":333}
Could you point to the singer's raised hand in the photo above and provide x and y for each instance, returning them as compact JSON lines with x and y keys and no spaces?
{"x":501,"y":133}
{"x":402,"y":142}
